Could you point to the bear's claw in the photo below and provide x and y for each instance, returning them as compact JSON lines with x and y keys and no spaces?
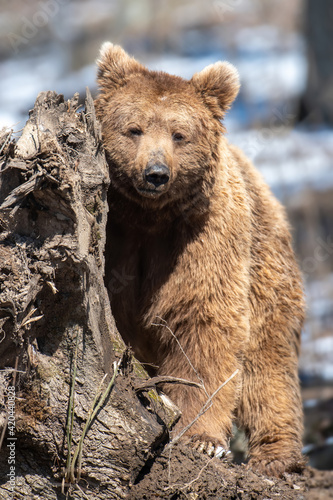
{"x":221,"y":452}
{"x":210,"y":448}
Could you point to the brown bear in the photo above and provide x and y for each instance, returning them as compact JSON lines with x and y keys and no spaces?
{"x":200,"y":269}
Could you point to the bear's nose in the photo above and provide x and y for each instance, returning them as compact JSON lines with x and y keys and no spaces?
{"x":157,"y":174}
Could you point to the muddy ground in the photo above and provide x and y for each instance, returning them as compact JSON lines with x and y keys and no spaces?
{"x":181,"y":473}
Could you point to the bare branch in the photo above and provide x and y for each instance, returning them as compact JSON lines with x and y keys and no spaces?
{"x":164,"y":324}
{"x":153,"y":382}
{"x":203,"y":410}
{"x":183,"y":487}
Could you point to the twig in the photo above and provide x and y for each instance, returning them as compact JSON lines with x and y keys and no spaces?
{"x":93,"y":412}
{"x":79,"y":448}
{"x":152,"y":382}
{"x":98,"y":402}
{"x":187,"y":485}
{"x":203,"y":410}
{"x":82,"y":492}
{"x":52,"y":286}
{"x":70,"y":420}
{"x":28,"y":319}
{"x":9,"y":134}
{"x":164,"y":324}
{"x":209,"y":400}
{"x":12,"y":370}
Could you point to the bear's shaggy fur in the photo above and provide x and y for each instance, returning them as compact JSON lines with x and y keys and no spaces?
{"x":199,"y":258}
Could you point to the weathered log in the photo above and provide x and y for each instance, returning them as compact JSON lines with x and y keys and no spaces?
{"x":68,"y":430}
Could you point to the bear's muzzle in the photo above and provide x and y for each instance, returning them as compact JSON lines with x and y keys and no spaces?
{"x":157,"y":174}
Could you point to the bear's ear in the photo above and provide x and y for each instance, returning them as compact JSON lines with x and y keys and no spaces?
{"x":218,"y":84}
{"x":115,"y":66}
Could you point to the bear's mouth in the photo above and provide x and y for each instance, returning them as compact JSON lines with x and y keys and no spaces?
{"x":150,"y":192}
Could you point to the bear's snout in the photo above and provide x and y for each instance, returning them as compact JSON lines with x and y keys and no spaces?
{"x":156,"y":174}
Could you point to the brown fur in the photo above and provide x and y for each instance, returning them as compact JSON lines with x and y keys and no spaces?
{"x":208,"y":254}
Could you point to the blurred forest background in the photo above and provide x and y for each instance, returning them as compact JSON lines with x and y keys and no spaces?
{"x":282,"y":119}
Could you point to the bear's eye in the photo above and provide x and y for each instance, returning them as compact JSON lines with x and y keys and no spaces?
{"x":178,"y":137}
{"x":136,"y":131}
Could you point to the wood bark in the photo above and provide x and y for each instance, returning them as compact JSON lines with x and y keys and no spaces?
{"x":58,"y":338}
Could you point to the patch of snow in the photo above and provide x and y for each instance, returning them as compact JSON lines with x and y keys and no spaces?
{"x":18,"y":90}
{"x":289,"y":160}
{"x":310,"y":403}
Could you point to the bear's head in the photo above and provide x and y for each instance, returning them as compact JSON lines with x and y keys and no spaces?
{"x":161,"y":132}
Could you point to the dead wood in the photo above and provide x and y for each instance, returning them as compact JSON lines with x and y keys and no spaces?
{"x":75,"y":434}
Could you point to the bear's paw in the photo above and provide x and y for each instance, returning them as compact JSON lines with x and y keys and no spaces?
{"x":210,"y":446}
{"x":277,"y":467}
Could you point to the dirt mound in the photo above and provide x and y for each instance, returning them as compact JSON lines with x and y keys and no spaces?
{"x":182,"y":473}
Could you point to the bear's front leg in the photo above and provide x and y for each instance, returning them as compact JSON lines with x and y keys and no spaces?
{"x":203,"y":324}
{"x":210,"y":355}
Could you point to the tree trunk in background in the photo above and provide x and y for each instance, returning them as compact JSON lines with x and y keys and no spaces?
{"x":57,"y":335}
{"x":316,"y":105}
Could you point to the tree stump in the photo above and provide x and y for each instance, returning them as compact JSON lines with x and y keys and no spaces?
{"x":75,"y":428}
